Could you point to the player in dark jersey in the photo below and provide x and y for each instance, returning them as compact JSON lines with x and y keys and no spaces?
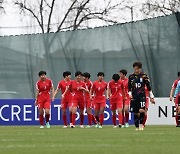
{"x":136,"y":86}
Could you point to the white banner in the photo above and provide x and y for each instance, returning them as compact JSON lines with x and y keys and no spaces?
{"x":162,"y":113}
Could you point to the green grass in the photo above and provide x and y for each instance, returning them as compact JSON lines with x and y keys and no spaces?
{"x":32,"y":140}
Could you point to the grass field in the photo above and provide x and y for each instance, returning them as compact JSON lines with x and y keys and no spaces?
{"x":32,"y":140}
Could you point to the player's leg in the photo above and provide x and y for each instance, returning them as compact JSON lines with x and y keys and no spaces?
{"x":47,"y":105}
{"x":70,"y":113}
{"x":101,"y":112}
{"x":146,"y":110}
{"x":41,"y":117}
{"x":126,"y":110}
{"x":96,"y":113}
{"x":89,"y":113}
{"x":113,"y":110}
{"x":81,"y":112}
{"x":64,"y":105}
{"x":178,"y":109}
{"x":119,"y":108}
{"x":135,"y":110}
{"x":142,"y":112}
{"x":74,"y":106}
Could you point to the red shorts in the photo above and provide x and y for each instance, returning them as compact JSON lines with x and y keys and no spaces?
{"x":147,"y":102}
{"x":97,"y":106}
{"x":65,"y":103}
{"x":78,"y":103}
{"x":126,"y":101}
{"x":44,"y":102}
{"x":116,"y":105}
{"x":89,"y":104}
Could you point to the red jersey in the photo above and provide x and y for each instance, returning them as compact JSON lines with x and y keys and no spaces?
{"x":125,"y":85}
{"x":175,"y":83}
{"x":76,"y":92}
{"x":146,"y":91}
{"x":116,"y":89}
{"x":99,"y":89}
{"x":88,"y":86}
{"x":62,"y":85}
{"x":44,"y":87}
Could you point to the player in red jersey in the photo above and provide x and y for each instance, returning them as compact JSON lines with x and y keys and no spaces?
{"x":63,"y":85}
{"x":78,"y":88}
{"x":171,"y":96}
{"x":98,"y":90}
{"x":126,"y":99}
{"x":44,"y":86}
{"x":115,"y":93}
{"x":148,"y":100}
{"x":88,"y":101}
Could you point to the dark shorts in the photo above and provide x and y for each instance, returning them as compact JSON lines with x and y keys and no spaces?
{"x":137,"y":104}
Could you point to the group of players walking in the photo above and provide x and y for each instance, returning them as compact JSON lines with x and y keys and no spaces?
{"x":125,"y":94}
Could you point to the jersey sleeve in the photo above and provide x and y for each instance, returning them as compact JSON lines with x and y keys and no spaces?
{"x":174,"y":84}
{"x":59,"y":85}
{"x":147,"y":81}
{"x":37,"y":85}
{"x":109,"y":85}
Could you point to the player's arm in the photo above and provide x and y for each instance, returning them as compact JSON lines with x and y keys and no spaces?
{"x":36,"y":97}
{"x":52,"y":91}
{"x":171,"y":93}
{"x":55,"y":93}
{"x":130,"y":87}
{"x":108,"y":91}
{"x":177,"y":90}
{"x":148,"y":84}
{"x":91,"y":92}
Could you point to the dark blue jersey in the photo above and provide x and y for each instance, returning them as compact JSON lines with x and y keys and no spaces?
{"x":137,"y":83}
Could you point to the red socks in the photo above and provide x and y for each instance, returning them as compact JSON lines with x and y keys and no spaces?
{"x":101,"y":119}
{"x":114,"y":119}
{"x":41,"y":119}
{"x":47,"y":117}
{"x":120,"y":117}
{"x":70,"y":115}
{"x":127,"y":117}
{"x":176,"y":117}
{"x":81,"y":119}
{"x":97,"y":118}
{"x":73,"y":118}
{"x":94,"y":119}
{"x":144,"y":121}
{"x":65,"y":120}
{"x":90,"y":119}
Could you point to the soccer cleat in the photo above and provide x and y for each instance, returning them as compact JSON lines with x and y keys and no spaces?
{"x":65,"y":126}
{"x":88,"y":126}
{"x":120,"y":126}
{"x":96,"y":126}
{"x":72,"y":126}
{"x":81,"y":126}
{"x":100,"y":126}
{"x":41,"y":126}
{"x":114,"y":126}
{"x":126,"y":125}
{"x":137,"y":129}
{"x":48,"y":125}
{"x":141,"y":127}
{"x":178,"y":126}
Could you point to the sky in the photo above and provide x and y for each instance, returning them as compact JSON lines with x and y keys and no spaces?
{"x":12,"y":23}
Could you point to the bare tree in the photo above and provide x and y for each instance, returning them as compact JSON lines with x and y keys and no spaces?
{"x":160,"y":7}
{"x":76,"y":15}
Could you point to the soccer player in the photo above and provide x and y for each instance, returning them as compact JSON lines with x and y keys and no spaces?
{"x":148,"y":100}
{"x":115,"y":93}
{"x":98,"y":91}
{"x":126,"y":99}
{"x":171,"y":96}
{"x":88,"y":101}
{"x":63,"y":85}
{"x":44,"y":86}
{"x":177,"y":101}
{"x":136,"y":85}
{"x":78,"y":88}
